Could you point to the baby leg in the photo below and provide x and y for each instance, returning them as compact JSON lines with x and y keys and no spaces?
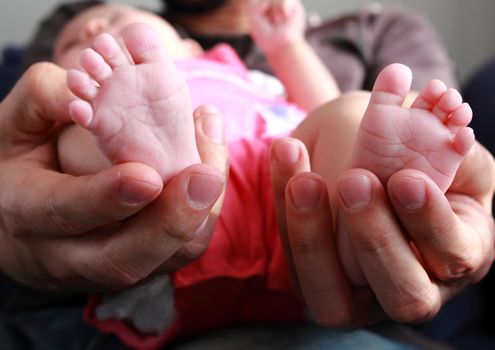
{"x":137,"y":106}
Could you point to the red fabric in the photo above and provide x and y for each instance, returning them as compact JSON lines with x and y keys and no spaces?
{"x":243,"y":276}
{"x":208,"y":306}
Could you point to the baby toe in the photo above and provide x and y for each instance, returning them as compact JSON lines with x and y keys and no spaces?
{"x":81,"y":85}
{"x":460,"y":117}
{"x":143,"y":43}
{"x":106,"y":45}
{"x":81,"y":113}
{"x":429,"y":96}
{"x":94,"y":64}
{"x":447,"y":104}
{"x":463,"y":140}
{"x":392,"y":85}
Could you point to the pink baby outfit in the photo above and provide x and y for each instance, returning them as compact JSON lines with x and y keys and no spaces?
{"x":243,"y":276}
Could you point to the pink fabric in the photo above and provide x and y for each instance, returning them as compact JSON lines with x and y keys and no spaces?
{"x":220,"y":78}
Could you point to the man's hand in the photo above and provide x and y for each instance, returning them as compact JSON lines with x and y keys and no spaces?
{"x":104,"y":231}
{"x":416,"y":246}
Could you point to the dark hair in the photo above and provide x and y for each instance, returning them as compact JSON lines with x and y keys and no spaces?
{"x":40,"y":48}
{"x":191,"y":7}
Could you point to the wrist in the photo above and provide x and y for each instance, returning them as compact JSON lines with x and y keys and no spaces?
{"x":294,"y":45}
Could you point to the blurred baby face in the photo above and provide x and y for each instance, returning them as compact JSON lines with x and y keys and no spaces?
{"x":80,"y":32}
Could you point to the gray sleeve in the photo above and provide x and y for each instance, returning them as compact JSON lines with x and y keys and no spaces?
{"x":393,"y":36}
{"x":355,"y":47}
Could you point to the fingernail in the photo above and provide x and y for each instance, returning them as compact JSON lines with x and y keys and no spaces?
{"x":211,"y":123}
{"x":133,"y":191}
{"x":203,"y":190}
{"x":286,"y":152}
{"x":410,"y":194}
{"x":305,"y":193}
{"x":355,"y":191}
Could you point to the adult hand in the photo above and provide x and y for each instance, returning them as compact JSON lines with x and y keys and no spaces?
{"x":416,"y":246}
{"x":105,"y":231}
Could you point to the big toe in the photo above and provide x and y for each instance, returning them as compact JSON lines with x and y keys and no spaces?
{"x":143,"y":43}
{"x":392,"y":85}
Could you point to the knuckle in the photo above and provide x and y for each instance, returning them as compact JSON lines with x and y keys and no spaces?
{"x":15,"y":224}
{"x":36,"y":74}
{"x":331,"y":315}
{"x":193,"y":251}
{"x":459,"y":266}
{"x":17,"y":216}
{"x":115,"y":274}
{"x":179,"y":230}
{"x":37,"y":70}
{"x":339,"y":319}
{"x":52,"y":270}
{"x":58,"y":274}
{"x":57,"y":216}
{"x":307,"y":243}
{"x":420,"y":306}
{"x":373,"y":241}
{"x":34,"y":83}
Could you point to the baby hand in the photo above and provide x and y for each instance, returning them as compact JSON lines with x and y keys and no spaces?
{"x":276,"y":23}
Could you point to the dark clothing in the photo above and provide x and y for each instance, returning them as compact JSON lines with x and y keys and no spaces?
{"x":356,"y":47}
{"x":34,"y":320}
{"x":479,"y":93}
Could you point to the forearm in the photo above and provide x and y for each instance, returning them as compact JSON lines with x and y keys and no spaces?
{"x":306,"y":79}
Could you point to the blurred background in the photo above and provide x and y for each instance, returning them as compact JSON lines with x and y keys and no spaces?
{"x":467,"y":27}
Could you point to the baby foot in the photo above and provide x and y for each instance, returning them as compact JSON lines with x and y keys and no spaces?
{"x":431,"y":136}
{"x":137,"y":106}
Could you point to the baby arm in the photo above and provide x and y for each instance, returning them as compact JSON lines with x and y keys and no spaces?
{"x":278,"y":28}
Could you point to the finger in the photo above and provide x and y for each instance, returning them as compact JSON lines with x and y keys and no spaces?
{"x":288,"y":157}
{"x":451,"y":249}
{"x":447,"y":104}
{"x":259,"y":16}
{"x":210,"y":138}
{"x":287,"y":7}
{"x":399,"y":281}
{"x":109,"y":49}
{"x":37,"y":101}
{"x":81,"y":85}
{"x":476,"y":176}
{"x":276,"y":12}
{"x":480,"y":221}
{"x":150,"y":238}
{"x":51,"y":204}
{"x":95,"y":66}
{"x":429,"y":95}
{"x":309,"y":224}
